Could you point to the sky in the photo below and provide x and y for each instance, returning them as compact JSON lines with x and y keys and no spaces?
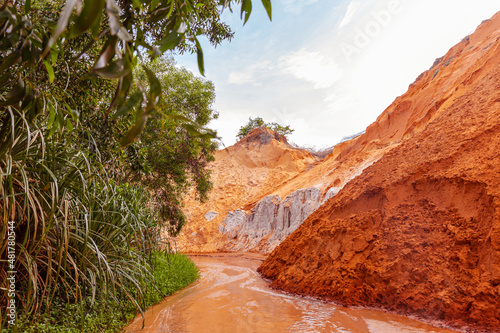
{"x":329,"y":68}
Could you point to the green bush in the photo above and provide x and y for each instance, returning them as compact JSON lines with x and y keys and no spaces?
{"x":259,"y":122}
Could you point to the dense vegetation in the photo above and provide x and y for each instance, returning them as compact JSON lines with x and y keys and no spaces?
{"x":171,"y":271}
{"x":259,"y":122}
{"x":100,"y":136}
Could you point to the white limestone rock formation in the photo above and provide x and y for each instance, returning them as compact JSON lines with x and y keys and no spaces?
{"x":271,"y":220}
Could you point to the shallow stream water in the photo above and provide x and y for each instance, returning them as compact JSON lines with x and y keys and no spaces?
{"x":231,"y":297}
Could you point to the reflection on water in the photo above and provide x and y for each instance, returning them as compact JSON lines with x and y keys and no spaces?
{"x":231,"y":297}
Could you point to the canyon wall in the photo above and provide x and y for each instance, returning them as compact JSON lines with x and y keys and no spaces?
{"x":242,"y":174}
{"x":264,"y":189}
{"x":270,"y":221}
{"x":418,"y":231}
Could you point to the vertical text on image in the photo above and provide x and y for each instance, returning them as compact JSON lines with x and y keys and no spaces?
{"x":11,"y":273}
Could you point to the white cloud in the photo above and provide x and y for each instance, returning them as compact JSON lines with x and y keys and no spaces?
{"x":313,"y":67}
{"x":350,"y":12}
{"x":240,"y":77}
{"x":296,"y":6}
{"x":249,"y":74}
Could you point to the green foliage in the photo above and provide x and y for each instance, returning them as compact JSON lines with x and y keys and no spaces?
{"x":170,"y":272}
{"x":105,"y":40}
{"x":259,"y":122}
{"x":78,"y":233}
{"x":169,"y":158}
{"x":171,"y":154}
{"x":71,"y":90}
{"x":280,"y":129}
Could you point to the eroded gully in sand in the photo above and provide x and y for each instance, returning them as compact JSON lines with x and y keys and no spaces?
{"x":231,"y":297}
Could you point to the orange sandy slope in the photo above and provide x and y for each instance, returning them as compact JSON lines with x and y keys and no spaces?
{"x":418,"y":232}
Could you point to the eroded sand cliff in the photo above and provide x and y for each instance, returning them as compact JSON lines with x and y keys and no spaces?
{"x":418,"y":231}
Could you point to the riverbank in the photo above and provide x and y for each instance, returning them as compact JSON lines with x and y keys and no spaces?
{"x":171,"y":272}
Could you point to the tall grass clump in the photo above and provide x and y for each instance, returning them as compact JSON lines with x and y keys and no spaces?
{"x":171,"y":272}
{"x":78,"y":233}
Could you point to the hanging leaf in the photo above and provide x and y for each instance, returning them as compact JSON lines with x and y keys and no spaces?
{"x":131,"y":103}
{"x":170,"y":41}
{"x":88,"y":17}
{"x":96,"y":27}
{"x":246,"y":10}
{"x":52,"y":115}
{"x":115,"y":25}
{"x":50,"y":70}
{"x":107,"y":53}
{"x":5,"y":79}
{"x":15,"y":94}
{"x":178,"y":117}
{"x":114,"y":70}
{"x":9,"y":61}
{"x":69,"y":125}
{"x":53,"y":57}
{"x":182,"y":28}
{"x":154,"y":4}
{"x":267,"y":6}
{"x":121,"y":92}
{"x":154,"y":89}
{"x":27,"y":6}
{"x":53,"y":130}
{"x":134,"y":132}
{"x":62,"y":23}
{"x":199,"y":54}
{"x":73,"y":113}
{"x":29,"y":96}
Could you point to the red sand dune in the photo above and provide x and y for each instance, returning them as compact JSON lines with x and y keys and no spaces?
{"x":418,"y":232}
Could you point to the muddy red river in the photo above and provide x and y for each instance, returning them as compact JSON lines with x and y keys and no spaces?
{"x":231,"y":297}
